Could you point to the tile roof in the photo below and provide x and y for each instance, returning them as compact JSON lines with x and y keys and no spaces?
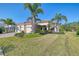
{"x":25,"y":23}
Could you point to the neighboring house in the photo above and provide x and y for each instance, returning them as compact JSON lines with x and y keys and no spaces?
{"x":2,"y":24}
{"x":27,"y":26}
{"x":54,"y":27}
{"x":8,"y":28}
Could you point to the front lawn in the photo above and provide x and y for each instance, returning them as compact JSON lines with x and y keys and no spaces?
{"x":36,"y":45}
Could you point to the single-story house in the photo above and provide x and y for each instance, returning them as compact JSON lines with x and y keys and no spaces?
{"x":8,"y":28}
{"x":27,"y":26}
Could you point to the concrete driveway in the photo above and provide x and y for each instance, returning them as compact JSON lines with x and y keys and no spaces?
{"x":7,"y":35}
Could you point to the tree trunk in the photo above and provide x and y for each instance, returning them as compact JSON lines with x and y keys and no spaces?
{"x":33,"y":25}
{"x":56,"y":29}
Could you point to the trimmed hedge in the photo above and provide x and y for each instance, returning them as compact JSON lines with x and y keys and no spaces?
{"x":20,"y":34}
{"x":32,"y":35}
{"x":77,"y":33}
{"x":2,"y":29}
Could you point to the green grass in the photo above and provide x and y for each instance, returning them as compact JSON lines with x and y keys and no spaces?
{"x":33,"y":35}
{"x":42,"y":45}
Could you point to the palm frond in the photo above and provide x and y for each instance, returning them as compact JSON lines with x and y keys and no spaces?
{"x":59,"y":17}
{"x":65,"y":18}
{"x":28,"y":6}
{"x":29,"y":18}
{"x":37,"y":19}
{"x":36,"y":5}
{"x":39,"y":10}
{"x":52,"y":19}
{"x":2,"y":19}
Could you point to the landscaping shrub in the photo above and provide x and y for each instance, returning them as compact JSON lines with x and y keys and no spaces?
{"x":6,"y":49}
{"x":2,"y":29}
{"x":61,"y":31}
{"x":32,"y":35}
{"x":49,"y":31}
{"x":58,"y":32}
{"x":39,"y":30}
{"x":77,"y":33}
{"x":42,"y":32}
{"x":20,"y":34}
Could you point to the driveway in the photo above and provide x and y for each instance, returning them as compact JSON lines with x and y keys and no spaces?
{"x":7,"y":35}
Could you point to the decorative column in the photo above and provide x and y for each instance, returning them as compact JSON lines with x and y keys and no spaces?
{"x":47,"y":27}
{"x":55,"y":29}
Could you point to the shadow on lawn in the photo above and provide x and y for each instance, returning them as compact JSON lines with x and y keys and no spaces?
{"x":6,"y":49}
{"x":67,"y":46}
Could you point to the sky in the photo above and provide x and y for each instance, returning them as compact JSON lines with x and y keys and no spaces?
{"x":17,"y":12}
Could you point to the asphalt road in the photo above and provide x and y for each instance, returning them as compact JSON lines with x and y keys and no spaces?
{"x":7,"y":35}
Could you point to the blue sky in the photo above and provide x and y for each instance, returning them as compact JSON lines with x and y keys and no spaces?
{"x":17,"y":12}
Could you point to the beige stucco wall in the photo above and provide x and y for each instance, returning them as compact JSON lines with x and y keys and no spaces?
{"x":20,"y":28}
{"x":42,"y":23}
{"x":17,"y":29}
{"x":28,"y":28}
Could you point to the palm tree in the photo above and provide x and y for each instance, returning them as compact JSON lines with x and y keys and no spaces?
{"x":36,"y":19}
{"x":8,"y":22}
{"x":58,"y":18}
{"x":34,"y":9}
